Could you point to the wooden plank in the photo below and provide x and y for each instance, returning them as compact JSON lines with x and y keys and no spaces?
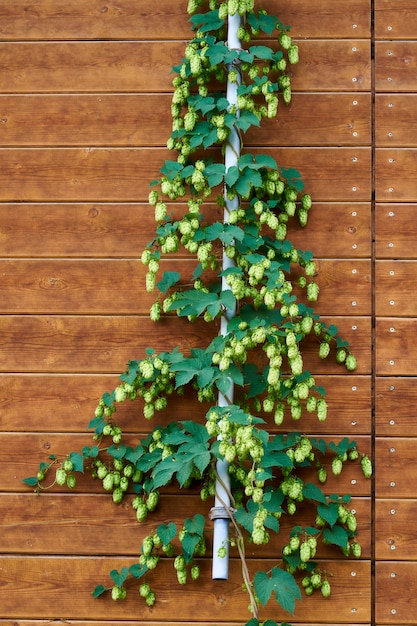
{"x":395,"y":174}
{"x":396,"y":66}
{"x":392,"y":279}
{"x":393,"y":417}
{"x":123,"y":230}
{"x":395,"y":602}
{"x":395,"y":536}
{"x":72,"y":19}
{"x":52,"y":594}
{"x":81,"y":287}
{"x":62,"y":524}
{"x":38,"y":447}
{"x":137,"y":66}
{"x":144,"y":120}
{"x":395,"y":347}
{"x":396,"y":231}
{"x":86,"y":344}
{"x":395,"y":20}
{"x":394,"y":458}
{"x":65,"y":403}
{"x":123,"y":175}
{"x":396,"y":120}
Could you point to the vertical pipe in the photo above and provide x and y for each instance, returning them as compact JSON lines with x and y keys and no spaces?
{"x":220,"y":512}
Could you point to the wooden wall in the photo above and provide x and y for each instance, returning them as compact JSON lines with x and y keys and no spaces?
{"x":84,"y":116}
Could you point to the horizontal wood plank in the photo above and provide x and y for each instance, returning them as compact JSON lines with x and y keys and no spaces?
{"x":145,"y":120}
{"x":63,"y":524}
{"x":123,"y":230}
{"x":396,"y":120}
{"x":38,"y":447}
{"x":395,"y":399}
{"x":395,"y":20}
{"x":393,"y":280}
{"x":87,"y":344}
{"x":396,"y":231}
{"x":395,"y":67}
{"x":118,"y":287}
{"x":137,"y":66}
{"x":395,"y":173}
{"x":395,"y":346}
{"x":394,"y":603}
{"x":124,"y":174}
{"x":65,"y":403}
{"x":394,"y":458}
{"x":224,"y":600}
{"x":59,"y":19}
{"x":395,"y":536}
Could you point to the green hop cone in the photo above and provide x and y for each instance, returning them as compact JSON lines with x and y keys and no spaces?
{"x":60,"y":476}
{"x":182,"y":576}
{"x":305,"y":552}
{"x":350,"y":363}
{"x":337,"y":466}
{"x":118,"y":495}
{"x":316,"y":580}
{"x":118,"y":593}
{"x":195,"y":572}
{"x":324,"y":350}
{"x":152,"y":500}
{"x":71,"y":481}
{"x":356,"y":550}
{"x":325,"y":589}
{"x":150,"y":599}
{"x":68,"y":465}
{"x":144,"y":590}
{"x":321,"y":409}
{"x":285,"y":41}
{"x":366,"y":466}
{"x":293,"y":57}
{"x":322,"y":475}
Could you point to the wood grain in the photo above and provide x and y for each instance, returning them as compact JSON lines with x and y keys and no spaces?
{"x":341,"y":230}
{"x":395,"y":536}
{"x":394,"y":397}
{"x":144,"y":119}
{"x":224,"y":600}
{"x":395,"y":20}
{"x":396,"y":120}
{"x":86,"y":344}
{"x":123,"y":175}
{"x":394,"y":280}
{"x":67,"y":524}
{"x":394,"y":602}
{"x":72,"y":19}
{"x":65,"y":403}
{"x":395,"y":171}
{"x":395,"y":346}
{"x":395,"y":67}
{"x":394,"y":458}
{"x":395,"y":231}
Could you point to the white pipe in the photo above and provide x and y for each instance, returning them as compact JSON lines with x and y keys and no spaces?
{"x":220,"y":512}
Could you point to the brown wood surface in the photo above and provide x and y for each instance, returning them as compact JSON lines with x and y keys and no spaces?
{"x":396,"y":398}
{"x":86,"y":344}
{"x":395,"y":174}
{"x":72,"y":19}
{"x":395,"y":68}
{"x":62,"y":579}
{"x":106,"y":287}
{"x":395,"y":535}
{"x":395,"y":600}
{"x":395,"y":346}
{"x":38,"y":447}
{"x":123,"y":175}
{"x":396,"y":231}
{"x":396,"y":120}
{"x":341,"y":230}
{"x":66,"y":524}
{"x":395,"y":281}
{"x":135,"y":66}
{"x":136,"y":120}
{"x":65,"y":403}
{"x":395,"y":20}
{"x":396,"y":467}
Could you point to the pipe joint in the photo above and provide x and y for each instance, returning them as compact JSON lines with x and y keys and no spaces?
{"x":220,"y":512}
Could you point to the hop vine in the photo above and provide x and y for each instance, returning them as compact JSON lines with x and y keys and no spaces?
{"x":260,"y":353}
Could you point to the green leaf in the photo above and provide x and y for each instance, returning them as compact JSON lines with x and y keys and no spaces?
{"x":168,"y":280}
{"x":31,"y":481}
{"x":90,"y":453}
{"x":171,"y":168}
{"x":265,"y":160}
{"x":195,"y":525}
{"x":214,"y":174}
{"x":247,"y":119}
{"x":78,"y":461}
{"x":329,"y":512}
{"x":98,"y":591}
{"x":119,"y":577}
{"x":264,"y":22}
{"x":206,"y":21}
{"x":262,"y":52}
{"x":293,"y":177}
{"x":282,"y":583}
{"x":137,"y":570}
{"x":336,"y":535}
{"x":232,"y":176}
{"x":312,"y":492}
{"x":189,"y":544}
{"x":166,"y":532}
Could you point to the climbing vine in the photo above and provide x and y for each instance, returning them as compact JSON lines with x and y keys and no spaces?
{"x":244,"y":276}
